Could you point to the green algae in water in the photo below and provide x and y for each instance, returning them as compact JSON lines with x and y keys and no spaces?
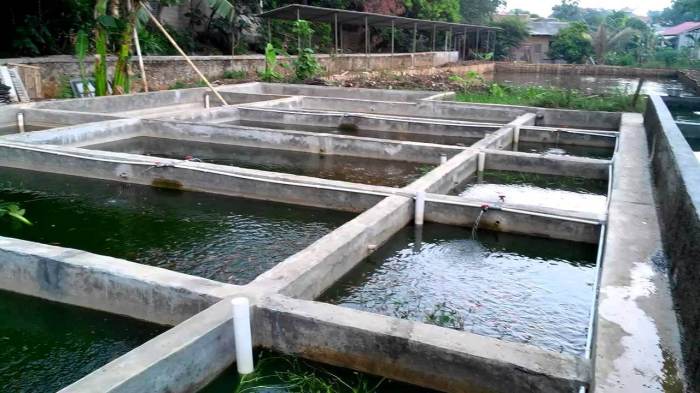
{"x":352,"y":169}
{"x":275,"y":372}
{"x":45,"y":346}
{"x":522,"y":188}
{"x":512,"y":287}
{"x":211,"y":236}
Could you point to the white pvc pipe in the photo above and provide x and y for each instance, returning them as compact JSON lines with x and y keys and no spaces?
{"x":420,"y":208}
{"x":481,"y":162}
{"x":206,"y":101}
{"x":20,"y":121}
{"x":516,"y":134}
{"x":242,"y":336}
{"x":443,"y":158}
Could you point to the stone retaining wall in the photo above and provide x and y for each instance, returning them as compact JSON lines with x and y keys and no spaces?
{"x":690,"y":78}
{"x":163,"y":71}
{"x":585,"y":69}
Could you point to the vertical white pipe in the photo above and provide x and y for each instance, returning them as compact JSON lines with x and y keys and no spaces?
{"x":443,"y":158}
{"x":242,"y":336}
{"x":481,"y":162}
{"x":420,"y":208}
{"x":516,"y":134}
{"x":20,"y":121}
{"x":206,"y":101}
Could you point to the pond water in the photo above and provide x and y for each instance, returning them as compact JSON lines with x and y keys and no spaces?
{"x":591,"y":84}
{"x":688,"y":121}
{"x":559,"y":192}
{"x":351,"y":130}
{"x":222,"y":238}
{"x":352,"y":169}
{"x":275,"y":372}
{"x":558,"y":149}
{"x":513,"y":287}
{"x":47,"y":346}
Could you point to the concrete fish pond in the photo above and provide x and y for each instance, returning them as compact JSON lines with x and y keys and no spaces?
{"x":516,"y":288}
{"x":562,"y":192}
{"x":351,"y":169}
{"x":46,"y":346}
{"x":368,"y":239}
{"x":222,"y":238}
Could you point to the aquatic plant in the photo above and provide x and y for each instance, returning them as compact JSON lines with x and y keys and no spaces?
{"x":445,"y":316}
{"x":291,"y":374}
{"x":13,"y":211}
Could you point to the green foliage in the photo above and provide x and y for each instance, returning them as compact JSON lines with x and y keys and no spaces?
{"x":573,"y":44}
{"x":270,"y":74}
{"x":549,"y":97}
{"x":445,"y":10}
{"x":235,"y":74}
{"x":515,"y":32}
{"x":186,"y":85}
{"x":64,"y":88}
{"x":445,"y":316}
{"x":567,"y":10}
{"x":470,"y":81}
{"x":293,"y":375}
{"x":13,"y":211}
{"x":305,"y":65}
{"x":679,"y":11}
{"x":479,"y":11}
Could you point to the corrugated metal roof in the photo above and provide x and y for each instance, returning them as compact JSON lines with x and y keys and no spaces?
{"x":320,"y":14}
{"x":682,"y":28}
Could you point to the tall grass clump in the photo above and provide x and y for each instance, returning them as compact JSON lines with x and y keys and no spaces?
{"x":552,"y":97}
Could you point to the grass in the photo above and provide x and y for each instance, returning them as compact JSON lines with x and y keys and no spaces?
{"x":276,"y":372}
{"x":549,"y":97}
{"x":235,"y":74}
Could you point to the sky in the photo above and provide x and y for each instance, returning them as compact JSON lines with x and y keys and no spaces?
{"x":544,"y":7}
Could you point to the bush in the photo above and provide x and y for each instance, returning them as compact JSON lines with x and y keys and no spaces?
{"x":573,"y":44}
{"x":235,"y":74}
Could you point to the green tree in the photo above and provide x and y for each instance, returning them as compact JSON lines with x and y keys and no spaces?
{"x":568,"y":10}
{"x":679,"y":11}
{"x":479,"y":11}
{"x":515,"y":32}
{"x":573,"y":44}
{"x":446,"y":10}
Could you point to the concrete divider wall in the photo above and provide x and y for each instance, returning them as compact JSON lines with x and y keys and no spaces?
{"x":103,"y":283}
{"x":589,"y":168}
{"x":676,"y":174}
{"x":111,"y":104}
{"x":417,"y":353}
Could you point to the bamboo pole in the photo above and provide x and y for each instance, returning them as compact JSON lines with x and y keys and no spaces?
{"x":138,"y":53}
{"x":177,"y":47}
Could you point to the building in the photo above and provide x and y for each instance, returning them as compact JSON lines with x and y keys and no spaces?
{"x":536,"y":47}
{"x":542,"y":32}
{"x":684,"y":35}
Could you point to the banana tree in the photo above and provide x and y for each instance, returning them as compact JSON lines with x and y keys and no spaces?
{"x":117,"y":19}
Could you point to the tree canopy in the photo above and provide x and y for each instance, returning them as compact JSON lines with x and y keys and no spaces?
{"x":573,"y":44}
{"x":680,"y":11}
{"x":515,"y":32}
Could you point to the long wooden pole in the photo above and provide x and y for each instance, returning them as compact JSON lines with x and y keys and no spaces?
{"x":138,"y":53}
{"x":177,"y":47}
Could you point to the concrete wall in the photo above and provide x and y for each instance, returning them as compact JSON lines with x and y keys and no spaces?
{"x":676,"y":173}
{"x":585,"y":69}
{"x":163,"y":71}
